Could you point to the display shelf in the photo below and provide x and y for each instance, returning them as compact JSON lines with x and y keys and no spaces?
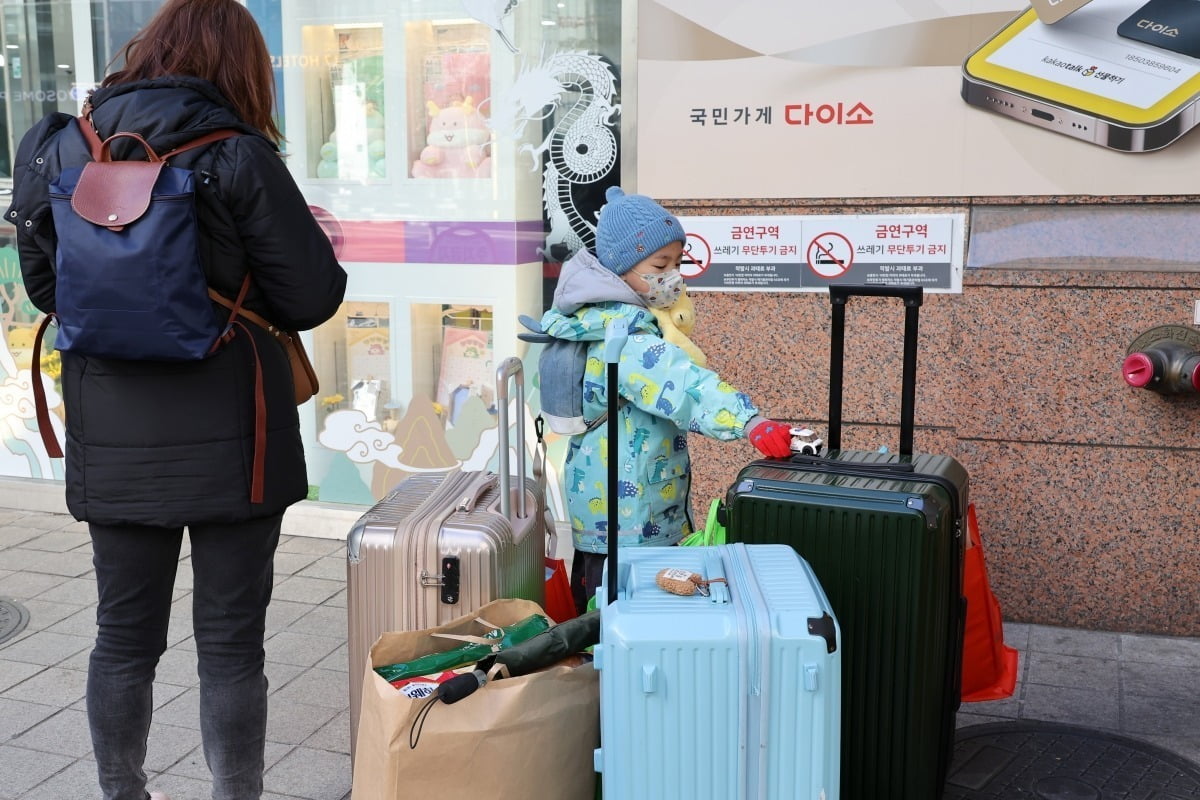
{"x":423,"y":332}
{"x":390,"y":112}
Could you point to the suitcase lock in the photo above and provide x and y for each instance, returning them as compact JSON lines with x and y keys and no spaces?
{"x":450,"y":580}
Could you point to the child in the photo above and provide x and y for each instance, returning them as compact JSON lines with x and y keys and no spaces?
{"x":664,"y":395}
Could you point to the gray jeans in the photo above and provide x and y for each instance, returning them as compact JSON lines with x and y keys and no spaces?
{"x":135,"y":576}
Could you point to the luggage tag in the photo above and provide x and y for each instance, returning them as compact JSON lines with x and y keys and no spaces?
{"x":684,"y":582}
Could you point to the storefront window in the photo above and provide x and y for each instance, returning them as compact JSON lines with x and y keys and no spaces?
{"x":454,"y":160}
{"x":454,"y":153}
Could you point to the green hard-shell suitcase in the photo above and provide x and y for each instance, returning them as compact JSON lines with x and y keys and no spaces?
{"x":884,"y":533}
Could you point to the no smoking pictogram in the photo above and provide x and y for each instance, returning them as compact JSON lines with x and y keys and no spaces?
{"x":830,"y":255}
{"x":697,"y":255}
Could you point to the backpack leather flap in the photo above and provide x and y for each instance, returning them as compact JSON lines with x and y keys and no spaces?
{"x":114,"y":194}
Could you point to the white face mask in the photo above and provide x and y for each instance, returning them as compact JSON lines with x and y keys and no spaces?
{"x":665,"y":288}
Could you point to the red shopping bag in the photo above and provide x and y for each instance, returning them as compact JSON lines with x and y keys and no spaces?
{"x":560,"y":605}
{"x":989,"y":668}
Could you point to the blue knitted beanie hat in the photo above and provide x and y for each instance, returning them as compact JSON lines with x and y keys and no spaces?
{"x":631,"y":227}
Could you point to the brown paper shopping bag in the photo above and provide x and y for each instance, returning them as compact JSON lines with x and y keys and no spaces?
{"x":518,"y":738}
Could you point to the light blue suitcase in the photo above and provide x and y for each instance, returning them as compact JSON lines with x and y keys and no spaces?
{"x":728,"y":697}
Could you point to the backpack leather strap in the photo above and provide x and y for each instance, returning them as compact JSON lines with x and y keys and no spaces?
{"x":245,"y":313}
{"x":260,"y":399}
{"x":96,"y":144}
{"x":235,"y":308}
{"x":258,"y":468}
{"x":208,"y":138}
{"x":41,"y":409}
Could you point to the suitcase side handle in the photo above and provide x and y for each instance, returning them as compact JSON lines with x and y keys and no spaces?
{"x":475,"y":491}
{"x":913,"y":296}
{"x":510,"y":369}
{"x":714,"y":574}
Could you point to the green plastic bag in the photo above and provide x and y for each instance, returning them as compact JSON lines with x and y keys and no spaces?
{"x":713,"y":533}
{"x":476,"y":647}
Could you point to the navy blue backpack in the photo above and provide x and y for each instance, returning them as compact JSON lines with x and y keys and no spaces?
{"x":130,"y":284}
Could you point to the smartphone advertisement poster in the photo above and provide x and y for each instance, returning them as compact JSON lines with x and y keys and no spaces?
{"x":882,"y":98}
{"x":811,"y":253}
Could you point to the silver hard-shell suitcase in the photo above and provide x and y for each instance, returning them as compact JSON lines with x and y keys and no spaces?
{"x":440,"y":546}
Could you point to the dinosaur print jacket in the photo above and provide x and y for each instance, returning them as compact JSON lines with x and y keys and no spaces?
{"x":666,"y":397}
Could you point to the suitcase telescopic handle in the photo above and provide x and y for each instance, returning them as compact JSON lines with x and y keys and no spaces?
{"x":511,"y":369}
{"x":912,"y":296}
{"x":615,"y":336}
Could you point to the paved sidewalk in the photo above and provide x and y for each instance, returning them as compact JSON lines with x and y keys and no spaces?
{"x":1140,"y":686}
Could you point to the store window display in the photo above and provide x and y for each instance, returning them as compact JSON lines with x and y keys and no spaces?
{"x":453,"y":63}
{"x":346,"y":119}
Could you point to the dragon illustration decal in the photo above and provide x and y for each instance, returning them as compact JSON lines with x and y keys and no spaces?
{"x":576,"y":92}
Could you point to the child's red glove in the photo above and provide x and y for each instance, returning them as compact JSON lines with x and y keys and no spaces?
{"x":773,"y":439}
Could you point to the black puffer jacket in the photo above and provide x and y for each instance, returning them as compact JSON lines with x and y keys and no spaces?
{"x":159,"y":443}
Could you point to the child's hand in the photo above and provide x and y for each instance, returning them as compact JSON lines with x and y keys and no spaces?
{"x":773,"y":439}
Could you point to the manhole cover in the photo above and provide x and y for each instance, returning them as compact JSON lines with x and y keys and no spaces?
{"x":1046,"y":761}
{"x":13,"y":618}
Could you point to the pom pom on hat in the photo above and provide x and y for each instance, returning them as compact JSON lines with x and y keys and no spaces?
{"x":631,"y":227}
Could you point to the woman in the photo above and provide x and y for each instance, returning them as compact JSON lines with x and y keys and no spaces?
{"x":154,"y":447}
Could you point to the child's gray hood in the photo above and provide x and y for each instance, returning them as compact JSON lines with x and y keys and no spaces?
{"x":584,"y":281}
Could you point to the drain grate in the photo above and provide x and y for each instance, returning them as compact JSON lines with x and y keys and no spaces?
{"x":13,"y":619}
{"x":1047,"y":761}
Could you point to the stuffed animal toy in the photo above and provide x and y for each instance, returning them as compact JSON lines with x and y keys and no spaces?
{"x":677,"y":321}
{"x":457,"y":137}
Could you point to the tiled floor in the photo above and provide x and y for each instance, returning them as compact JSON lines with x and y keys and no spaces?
{"x":1141,"y":686}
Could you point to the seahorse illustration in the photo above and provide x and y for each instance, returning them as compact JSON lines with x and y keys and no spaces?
{"x":662,"y":403}
{"x":649,"y":390}
{"x":580,"y":149}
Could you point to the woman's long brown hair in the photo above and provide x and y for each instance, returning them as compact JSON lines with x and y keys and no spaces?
{"x":217,"y":40}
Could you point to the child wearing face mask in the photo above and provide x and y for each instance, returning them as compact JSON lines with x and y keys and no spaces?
{"x":664,"y":395}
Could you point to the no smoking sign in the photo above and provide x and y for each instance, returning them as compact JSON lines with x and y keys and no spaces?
{"x":830,"y":255}
{"x":697,"y":255}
